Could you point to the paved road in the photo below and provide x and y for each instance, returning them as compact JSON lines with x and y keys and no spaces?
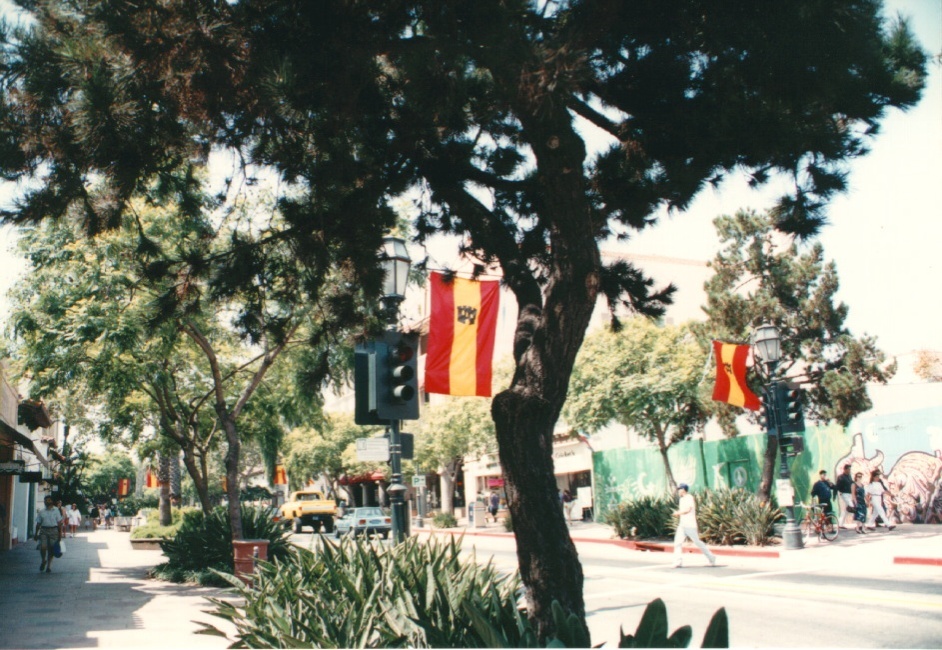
{"x":848,"y":594}
{"x":842,"y":595}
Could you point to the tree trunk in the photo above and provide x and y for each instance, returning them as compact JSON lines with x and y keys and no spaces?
{"x":176,"y":490}
{"x":549,"y":564}
{"x":232,"y":472}
{"x":768,"y":468}
{"x":199,"y":480}
{"x":662,"y":448}
{"x":163,"y":482}
{"x":447,"y":484}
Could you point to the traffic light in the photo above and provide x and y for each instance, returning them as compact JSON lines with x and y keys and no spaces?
{"x":766,"y":414}
{"x":397,"y":377}
{"x":364,"y":382}
{"x":791,"y":411}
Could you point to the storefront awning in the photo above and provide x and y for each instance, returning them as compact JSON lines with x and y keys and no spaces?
{"x":23,"y":441}
{"x":363,"y":478}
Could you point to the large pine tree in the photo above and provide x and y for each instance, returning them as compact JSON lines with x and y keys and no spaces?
{"x":482,"y":104}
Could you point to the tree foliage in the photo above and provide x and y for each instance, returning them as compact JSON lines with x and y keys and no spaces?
{"x":762,"y":276}
{"x":647,"y":377}
{"x":482,"y":105}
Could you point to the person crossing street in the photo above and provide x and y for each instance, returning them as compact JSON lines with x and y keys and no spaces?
{"x":687,"y":527}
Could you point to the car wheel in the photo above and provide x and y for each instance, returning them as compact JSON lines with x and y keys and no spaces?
{"x":329,"y":526}
{"x":297,"y":525}
{"x":336,"y":534}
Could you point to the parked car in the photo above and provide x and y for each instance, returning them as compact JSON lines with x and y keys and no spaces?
{"x":363,"y":521}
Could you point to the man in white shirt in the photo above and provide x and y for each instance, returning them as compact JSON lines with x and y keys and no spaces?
{"x":687,"y":527}
{"x":48,"y":532}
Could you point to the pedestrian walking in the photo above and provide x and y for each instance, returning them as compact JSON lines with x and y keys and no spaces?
{"x":48,"y":532}
{"x":74,"y":519}
{"x":860,"y":503}
{"x":687,"y":527}
{"x":493,"y":505}
{"x":875,"y":491}
{"x":568,"y":504}
{"x":823,"y":490}
{"x":845,"y":490}
{"x":93,"y":514}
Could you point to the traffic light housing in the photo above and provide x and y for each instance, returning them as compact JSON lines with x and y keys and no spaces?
{"x":791,"y":414}
{"x":397,"y":377}
{"x":766,"y":414}
{"x":364,"y":382}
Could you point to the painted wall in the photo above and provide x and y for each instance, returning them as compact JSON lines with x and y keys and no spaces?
{"x":906,"y":447}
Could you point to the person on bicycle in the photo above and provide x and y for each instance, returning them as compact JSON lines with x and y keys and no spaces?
{"x":823,"y":490}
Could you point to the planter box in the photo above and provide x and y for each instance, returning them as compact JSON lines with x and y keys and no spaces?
{"x":146,"y":544}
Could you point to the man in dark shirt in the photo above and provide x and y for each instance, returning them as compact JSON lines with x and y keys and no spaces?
{"x":845,"y":490}
{"x":823,"y":491}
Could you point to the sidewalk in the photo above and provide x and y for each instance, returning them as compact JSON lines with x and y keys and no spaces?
{"x":919,"y":544}
{"x":98,"y":596}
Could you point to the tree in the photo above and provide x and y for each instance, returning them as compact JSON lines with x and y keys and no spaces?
{"x":928,"y":365}
{"x":319,"y":450}
{"x":761,"y":276}
{"x":448,"y":432}
{"x":646,"y":377}
{"x":103,"y":473}
{"x":484,"y":106}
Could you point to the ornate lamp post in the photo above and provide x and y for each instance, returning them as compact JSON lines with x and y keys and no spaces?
{"x":768,"y":348}
{"x":395,"y":261}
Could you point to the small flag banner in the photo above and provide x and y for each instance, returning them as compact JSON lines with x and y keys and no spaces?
{"x":124,"y":487}
{"x":731,"y":386}
{"x":281,"y":478}
{"x":462,"y":328}
{"x":151,"y":479}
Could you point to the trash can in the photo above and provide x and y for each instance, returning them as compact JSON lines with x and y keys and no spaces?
{"x":244,"y":554}
{"x":479,"y":520}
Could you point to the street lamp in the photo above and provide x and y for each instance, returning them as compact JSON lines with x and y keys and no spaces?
{"x":768,"y":346}
{"x":395,"y":262}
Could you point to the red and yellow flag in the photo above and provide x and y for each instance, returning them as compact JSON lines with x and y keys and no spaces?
{"x":461,"y":335}
{"x":281,"y":478}
{"x":151,"y":479}
{"x":124,"y":487}
{"x":731,"y":386}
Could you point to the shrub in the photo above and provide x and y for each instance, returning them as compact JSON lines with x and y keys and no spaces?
{"x":731,"y":517}
{"x":132,"y":504}
{"x":354,"y":594}
{"x":444,"y":520}
{"x":205,"y":542}
{"x":154,"y":531}
{"x":645,"y":517}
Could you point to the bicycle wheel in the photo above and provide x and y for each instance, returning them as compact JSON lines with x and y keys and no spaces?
{"x":807,"y":530}
{"x":829,"y":528}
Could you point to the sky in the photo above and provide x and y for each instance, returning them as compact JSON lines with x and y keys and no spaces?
{"x":884,"y":234}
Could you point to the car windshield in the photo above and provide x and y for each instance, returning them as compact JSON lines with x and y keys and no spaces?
{"x":369,"y":512}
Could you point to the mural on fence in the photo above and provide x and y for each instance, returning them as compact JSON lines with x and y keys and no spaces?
{"x":906,"y":447}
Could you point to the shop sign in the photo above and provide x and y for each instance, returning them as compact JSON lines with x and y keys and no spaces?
{"x":31,"y":477}
{"x":12,"y":467}
{"x":495,"y":482}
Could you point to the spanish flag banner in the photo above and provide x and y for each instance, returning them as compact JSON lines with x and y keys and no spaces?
{"x":124,"y":487}
{"x":281,"y":478}
{"x":151,"y":479}
{"x":461,"y":335}
{"x":731,"y":386}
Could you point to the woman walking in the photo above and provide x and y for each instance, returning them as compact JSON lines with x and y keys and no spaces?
{"x":860,"y":504}
{"x":875,"y":490}
{"x":75,"y":519}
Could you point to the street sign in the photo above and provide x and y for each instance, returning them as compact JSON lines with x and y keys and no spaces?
{"x":373,"y":449}
{"x":418,"y":481}
{"x":12,"y":467}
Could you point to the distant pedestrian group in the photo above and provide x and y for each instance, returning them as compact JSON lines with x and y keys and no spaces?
{"x":861,"y":503}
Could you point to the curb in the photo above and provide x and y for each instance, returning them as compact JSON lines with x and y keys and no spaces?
{"x":926,"y":561}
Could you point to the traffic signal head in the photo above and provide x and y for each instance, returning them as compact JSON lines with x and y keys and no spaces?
{"x":791,"y":410}
{"x":397,"y":395}
{"x":766,"y":414}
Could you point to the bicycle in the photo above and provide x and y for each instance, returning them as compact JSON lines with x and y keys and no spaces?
{"x":817,"y":522}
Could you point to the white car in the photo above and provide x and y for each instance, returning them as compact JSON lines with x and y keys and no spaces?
{"x":363,"y":521}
